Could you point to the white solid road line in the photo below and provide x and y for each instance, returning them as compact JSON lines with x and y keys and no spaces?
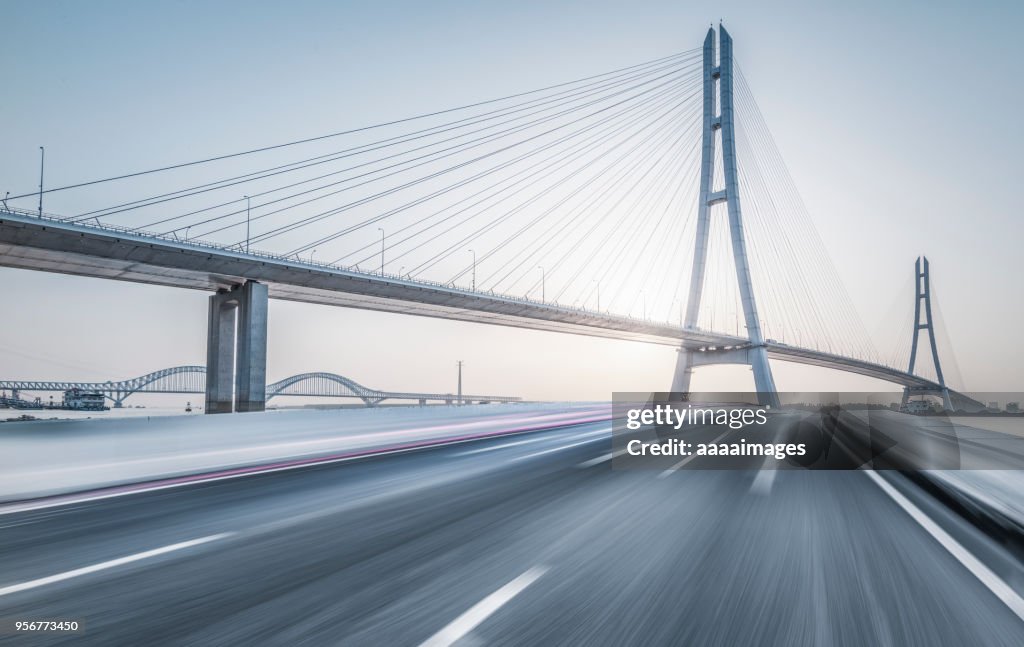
{"x":67,"y":575}
{"x":689,"y":458}
{"x":458,"y":628}
{"x":993,"y":582}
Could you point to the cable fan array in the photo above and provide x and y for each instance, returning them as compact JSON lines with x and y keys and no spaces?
{"x":582,"y":193}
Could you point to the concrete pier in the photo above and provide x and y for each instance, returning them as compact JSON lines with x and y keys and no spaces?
{"x":251,"y":357}
{"x":220,"y":354}
{"x":236,"y":350}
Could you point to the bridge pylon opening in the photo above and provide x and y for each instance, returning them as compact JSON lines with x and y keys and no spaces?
{"x":923,"y":295}
{"x":236,"y":350}
{"x":718,"y":92}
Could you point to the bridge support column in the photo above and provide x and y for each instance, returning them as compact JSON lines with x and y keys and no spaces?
{"x":251,"y":357}
{"x":220,"y":354}
{"x":236,"y":361}
{"x":684,"y":371}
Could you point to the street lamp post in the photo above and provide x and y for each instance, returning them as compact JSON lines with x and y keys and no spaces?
{"x":42,"y":159}
{"x":247,"y":224}
{"x":473,"y":286}
{"x":458,"y":401}
{"x":381,"y":250}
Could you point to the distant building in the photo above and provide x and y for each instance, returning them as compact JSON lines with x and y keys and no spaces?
{"x":918,"y":406}
{"x":84,"y":400}
{"x":993,"y":406}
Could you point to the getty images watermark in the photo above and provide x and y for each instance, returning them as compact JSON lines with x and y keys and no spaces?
{"x":735,"y":431}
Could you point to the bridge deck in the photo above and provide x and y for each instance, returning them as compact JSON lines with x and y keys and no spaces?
{"x":52,"y":245}
{"x":29,"y":242}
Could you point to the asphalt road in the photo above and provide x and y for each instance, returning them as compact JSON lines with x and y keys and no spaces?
{"x":529,"y":540}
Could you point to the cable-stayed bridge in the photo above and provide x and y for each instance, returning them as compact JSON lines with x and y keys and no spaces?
{"x":192,"y":379}
{"x":647,"y":203}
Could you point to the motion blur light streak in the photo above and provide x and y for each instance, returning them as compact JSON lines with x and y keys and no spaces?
{"x":438,"y":435}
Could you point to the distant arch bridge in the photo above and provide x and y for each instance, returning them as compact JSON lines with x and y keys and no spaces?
{"x":192,"y":379}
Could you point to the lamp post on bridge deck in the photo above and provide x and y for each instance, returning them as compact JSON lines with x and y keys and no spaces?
{"x":42,"y":159}
{"x":458,"y":400}
{"x":247,"y":224}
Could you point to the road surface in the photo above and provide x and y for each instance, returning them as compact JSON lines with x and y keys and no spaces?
{"x":527,"y":540}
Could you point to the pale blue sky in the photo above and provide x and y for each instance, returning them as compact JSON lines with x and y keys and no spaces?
{"x":898,"y":120}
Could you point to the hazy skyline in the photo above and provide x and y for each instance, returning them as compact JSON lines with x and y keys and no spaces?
{"x":897,"y":124}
